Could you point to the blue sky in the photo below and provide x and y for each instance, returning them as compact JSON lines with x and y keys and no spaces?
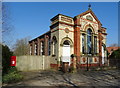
{"x":33,"y":18}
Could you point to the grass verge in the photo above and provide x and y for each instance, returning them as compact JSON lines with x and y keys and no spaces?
{"x":12,"y":76}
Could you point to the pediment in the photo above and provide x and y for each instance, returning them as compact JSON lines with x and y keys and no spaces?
{"x":89,"y":15}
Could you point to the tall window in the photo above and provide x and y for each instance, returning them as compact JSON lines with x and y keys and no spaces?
{"x":89,"y":41}
{"x":49,"y":47}
{"x":54,"y":45}
{"x":42,"y":47}
{"x":95,"y":44}
{"x":83,"y":43}
{"x":30,"y":50}
{"x":35,"y":49}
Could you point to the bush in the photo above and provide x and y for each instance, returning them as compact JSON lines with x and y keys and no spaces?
{"x":73,"y":55}
{"x":12,"y":69}
{"x":6,"y":54}
{"x":9,"y":74}
{"x":115,"y":54}
{"x":13,"y":76}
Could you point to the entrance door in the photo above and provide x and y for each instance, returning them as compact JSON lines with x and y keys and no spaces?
{"x":66,"y":54}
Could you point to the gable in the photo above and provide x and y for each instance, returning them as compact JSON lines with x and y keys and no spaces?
{"x":89,"y":17}
{"x":90,"y":14}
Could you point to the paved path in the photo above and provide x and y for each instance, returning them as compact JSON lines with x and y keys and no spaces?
{"x":81,"y":78}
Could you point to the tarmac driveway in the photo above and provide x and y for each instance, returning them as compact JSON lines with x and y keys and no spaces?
{"x":81,"y":78}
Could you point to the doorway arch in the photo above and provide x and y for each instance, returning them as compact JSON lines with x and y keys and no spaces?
{"x":68,"y":40}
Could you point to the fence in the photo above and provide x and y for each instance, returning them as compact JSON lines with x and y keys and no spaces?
{"x":30,"y":63}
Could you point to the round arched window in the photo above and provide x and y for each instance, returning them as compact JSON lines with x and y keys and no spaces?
{"x":89,"y":41}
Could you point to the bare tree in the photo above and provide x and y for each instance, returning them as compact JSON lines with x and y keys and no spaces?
{"x":7,"y":26}
{"x":0,"y":23}
{"x":21,"y":47}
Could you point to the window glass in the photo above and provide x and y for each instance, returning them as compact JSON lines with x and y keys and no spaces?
{"x":89,"y":42}
{"x":54,"y":45}
{"x":66,"y":42}
{"x":49,"y":47}
{"x":30,"y":50}
{"x":42,"y":47}
{"x":35,"y":49}
{"x":54,"y":48}
{"x":95,"y":44}
{"x":83,"y":43}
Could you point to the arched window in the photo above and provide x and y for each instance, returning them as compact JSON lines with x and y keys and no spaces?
{"x":95,"y":44}
{"x":83,"y":43}
{"x":30,"y":50}
{"x":35,"y":52}
{"x":49,"y":49}
{"x":54,"y":45}
{"x":89,"y":41}
{"x":42,"y":48}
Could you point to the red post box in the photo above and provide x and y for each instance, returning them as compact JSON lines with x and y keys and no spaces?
{"x":13,"y":61}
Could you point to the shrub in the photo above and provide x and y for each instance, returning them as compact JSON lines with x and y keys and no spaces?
{"x":6,"y":54}
{"x":73,"y":55}
{"x":12,"y":76}
{"x":12,"y":69}
{"x":9,"y":74}
{"x":115,"y":54}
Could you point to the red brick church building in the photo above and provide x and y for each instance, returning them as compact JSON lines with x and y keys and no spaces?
{"x":82,"y":35}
